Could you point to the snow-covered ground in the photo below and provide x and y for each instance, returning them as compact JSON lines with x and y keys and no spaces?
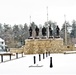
{"x":62,"y":65}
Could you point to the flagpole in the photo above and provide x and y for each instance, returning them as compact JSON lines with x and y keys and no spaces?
{"x":30,"y":20}
{"x":47,"y":24}
{"x":65,"y":31}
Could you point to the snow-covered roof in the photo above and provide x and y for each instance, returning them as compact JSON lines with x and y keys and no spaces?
{"x":1,"y":40}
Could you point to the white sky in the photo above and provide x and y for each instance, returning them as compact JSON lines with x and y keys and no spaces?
{"x":18,"y":11}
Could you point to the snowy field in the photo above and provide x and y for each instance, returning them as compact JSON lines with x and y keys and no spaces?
{"x":62,"y":65}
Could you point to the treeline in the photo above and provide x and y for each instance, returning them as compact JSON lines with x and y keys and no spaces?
{"x":71,"y":32}
{"x":15,"y":35}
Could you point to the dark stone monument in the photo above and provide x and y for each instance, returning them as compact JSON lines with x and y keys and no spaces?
{"x":44,"y":31}
{"x":16,"y":55}
{"x":30,"y":32}
{"x":57,"y":31}
{"x":34,"y":59}
{"x":51,"y":65}
{"x":39,"y":57}
{"x":37,"y":32}
{"x":46,"y":54}
{"x":50,"y":32}
{"x":43,"y":56}
{"x":49,"y":53}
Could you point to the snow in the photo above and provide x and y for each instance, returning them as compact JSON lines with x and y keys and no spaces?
{"x":69,"y":52}
{"x":63,"y":64}
{"x":1,"y":40}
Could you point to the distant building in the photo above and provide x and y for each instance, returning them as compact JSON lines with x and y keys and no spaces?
{"x":2,"y":45}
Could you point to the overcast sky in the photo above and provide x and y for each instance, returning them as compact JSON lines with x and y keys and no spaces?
{"x":18,"y":11}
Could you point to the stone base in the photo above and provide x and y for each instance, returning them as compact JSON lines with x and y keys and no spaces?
{"x":57,"y":37}
{"x":37,"y":37}
{"x":51,"y":37}
{"x":30,"y":38}
{"x":44,"y":37}
{"x":39,"y":46}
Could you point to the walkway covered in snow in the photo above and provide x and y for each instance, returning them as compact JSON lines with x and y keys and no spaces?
{"x":62,"y":64}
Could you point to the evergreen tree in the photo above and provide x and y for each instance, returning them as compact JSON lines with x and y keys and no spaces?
{"x":67,"y":32}
{"x":16,"y":32}
{"x":73,"y":32}
{"x":25,"y":31}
